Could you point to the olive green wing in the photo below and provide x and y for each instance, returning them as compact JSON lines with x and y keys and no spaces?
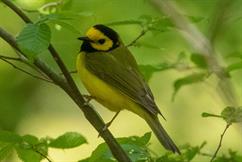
{"x":122,"y":73}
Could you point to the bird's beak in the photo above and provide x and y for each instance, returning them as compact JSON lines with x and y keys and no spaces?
{"x":85,"y":39}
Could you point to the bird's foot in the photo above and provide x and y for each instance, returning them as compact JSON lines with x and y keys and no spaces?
{"x":108,"y":124}
{"x":105,"y":128}
{"x":88,"y":98}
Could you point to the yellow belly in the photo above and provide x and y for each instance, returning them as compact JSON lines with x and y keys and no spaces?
{"x":103,"y":93}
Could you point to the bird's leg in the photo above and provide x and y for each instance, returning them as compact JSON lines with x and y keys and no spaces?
{"x":109,"y":123}
{"x":88,"y":98}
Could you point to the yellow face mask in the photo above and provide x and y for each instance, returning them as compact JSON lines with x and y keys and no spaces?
{"x":99,"y":42}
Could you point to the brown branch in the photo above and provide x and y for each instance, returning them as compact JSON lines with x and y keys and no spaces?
{"x":69,"y":86}
{"x":220,"y":142}
{"x":22,"y":70}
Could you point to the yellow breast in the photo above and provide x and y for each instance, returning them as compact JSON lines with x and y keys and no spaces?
{"x":103,"y":93}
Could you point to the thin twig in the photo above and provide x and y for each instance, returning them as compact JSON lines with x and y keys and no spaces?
{"x":10,"y":58}
{"x":71,"y":72}
{"x":220,"y":142}
{"x":41,"y":154}
{"x":19,"y":59}
{"x":142,"y":33}
{"x":24,"y":71}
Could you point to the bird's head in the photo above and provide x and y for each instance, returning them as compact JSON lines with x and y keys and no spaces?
{"x":100,"y":38}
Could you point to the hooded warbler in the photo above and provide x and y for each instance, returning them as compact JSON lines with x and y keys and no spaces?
{"x":110,"y":74}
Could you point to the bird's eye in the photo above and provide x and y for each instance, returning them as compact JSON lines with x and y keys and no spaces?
{"x":101,"y":41}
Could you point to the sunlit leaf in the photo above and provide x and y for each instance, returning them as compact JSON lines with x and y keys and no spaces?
{"x":134,"y":146}
{"x":232,"y":114}
{"x":68,"y":140}
{"x":236,"y":54}
{"x":199,"y":60}
{"x":234,"y":66}
{"x":149,"y":70}
{"x":5,"y":150}
{"x":191,"y":152}
{"x":195,"y":19}
{"x":32,"y":145}
{"x":34,"y":39}
{"x":161,"y":24}
{"x":27,"y":154}
{"x":30,"y":139}
{"x":9,"y":137}
{"x":190,"y":79}
{"x":233,"y":156}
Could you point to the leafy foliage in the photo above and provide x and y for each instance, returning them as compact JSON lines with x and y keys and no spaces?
{"x":68,"y":140}
{"x":232,"y":114}
{"x":149,"y":70}
{"x":199,"y":60}
{"x":229,"y":114}
{"x":190,"y":79}
{"x":34,"y":39}
{"x":136,"y":148}
{"x":231,"y":157}
{"x":234,"y":66}
{"x":32,"y":149}
{"x":188,"y":154}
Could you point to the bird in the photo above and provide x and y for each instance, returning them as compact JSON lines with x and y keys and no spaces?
{"x":112,"y":77}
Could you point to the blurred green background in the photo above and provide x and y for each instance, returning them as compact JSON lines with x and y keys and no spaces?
{"x":30,"y":106}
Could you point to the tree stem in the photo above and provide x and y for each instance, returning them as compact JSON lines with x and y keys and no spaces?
{"x":220,"y":142}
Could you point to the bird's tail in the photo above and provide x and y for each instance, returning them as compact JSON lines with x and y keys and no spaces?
{"x":161,"y":134}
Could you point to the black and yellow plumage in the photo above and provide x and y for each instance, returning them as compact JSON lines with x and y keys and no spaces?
{"x":110,"y":74}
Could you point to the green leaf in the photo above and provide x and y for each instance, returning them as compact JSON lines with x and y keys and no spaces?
{"x":9,"y":137}
{"x":234,"y":66}
{"x":5,"y":150}
{"x":30,"y":139}
{"x":161,"y":24}
{"x":32,"y":145}
{"x":195,"y":19}
{"x":68,"y":140}
{"x":199,"y":60}
{"x":34,"y":39}
{"x":27,"y":154}
{"x":144,"y":140}
{"x":149,"y":70}
{"x":236,"y":54}
{"x":231,"y":157}
{"x":232,"y":114}
{"x":134,"y":146}
{"x":191,"y":153}
{"x":190,"y":79}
